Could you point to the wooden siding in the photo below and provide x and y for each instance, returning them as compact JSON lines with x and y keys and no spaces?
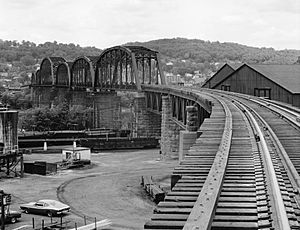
{"x":219,"y":76}
{"x":245,"y":80}
{"x":296,"y":100}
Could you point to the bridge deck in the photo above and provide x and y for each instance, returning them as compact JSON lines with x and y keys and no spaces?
{"x":244,"y":201}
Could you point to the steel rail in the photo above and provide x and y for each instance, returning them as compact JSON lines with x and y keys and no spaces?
{"x":203,"y":211}
{"x":283,"y":154}
{"x":289,"y":114}
{"x":294,"y":119}
{"x":281,"y":213}
{"x":294,"y":175}
{"x":282,"y":105}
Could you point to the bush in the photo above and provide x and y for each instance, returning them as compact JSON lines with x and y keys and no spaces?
{"x":59,"y":117}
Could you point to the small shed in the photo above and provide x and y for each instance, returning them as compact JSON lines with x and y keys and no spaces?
{"x":40,"y":167}
{"x":76,"y":154}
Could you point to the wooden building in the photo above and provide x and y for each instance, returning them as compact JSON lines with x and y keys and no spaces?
{"x":276,"y":82}
{"x":220,"y":75}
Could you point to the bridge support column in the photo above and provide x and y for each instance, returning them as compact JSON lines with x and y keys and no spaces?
{"x":107,"y":110}
{"x":188,"y":137}
{"x":62,"y":95}
{"x":41,"y":96}
{"x":146,"y":123}
{"x":169,"y":131}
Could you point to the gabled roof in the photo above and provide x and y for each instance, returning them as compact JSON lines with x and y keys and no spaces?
{"x":235,"y":66}
{"x":288,"y":76}
{"x":227,"y":71}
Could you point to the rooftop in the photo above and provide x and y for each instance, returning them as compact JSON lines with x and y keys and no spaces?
{"x":75,"y":148}
{"x":288,"y":76}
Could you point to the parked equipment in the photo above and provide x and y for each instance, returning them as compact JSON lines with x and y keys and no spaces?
{"x":153,"y":189}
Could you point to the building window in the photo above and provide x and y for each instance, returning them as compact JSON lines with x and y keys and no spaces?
{"x":225,"y":87}
{"x":262,"y":92}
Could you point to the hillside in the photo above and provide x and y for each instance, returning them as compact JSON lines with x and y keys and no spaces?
{"x":179,"y":56}
{"x":188,"y":55}
{"x":201,"y":51}
{"x":13,"y":51}
{"x":19,"y":59}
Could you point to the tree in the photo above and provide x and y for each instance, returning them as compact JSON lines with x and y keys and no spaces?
{"x":27,"y":60}
{"x":18,"y":100}
{"x":56,"y":118}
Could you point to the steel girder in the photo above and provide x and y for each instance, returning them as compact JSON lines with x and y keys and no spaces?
{"x":154,"y":102}
{"x":63,"y":74}
{"x":178,"y":108}
{"x":36,"y":78}
{"x":117,"y":68}
{"x":127,"y":67}
{"x":48,"y":70}
{"x":83,"y":73}
{"x":179,"y":101}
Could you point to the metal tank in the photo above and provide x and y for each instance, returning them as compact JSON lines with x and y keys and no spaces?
{"x":8,"y":131}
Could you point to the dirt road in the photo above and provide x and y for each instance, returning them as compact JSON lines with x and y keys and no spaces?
{"x":108,"y":189}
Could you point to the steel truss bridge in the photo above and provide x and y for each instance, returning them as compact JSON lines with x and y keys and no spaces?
{"x":120,"y":67}
{"x":242,"y":169}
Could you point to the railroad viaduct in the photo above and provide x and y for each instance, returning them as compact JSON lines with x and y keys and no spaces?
{"x":238,"y":155}
{"x":159,"y":110}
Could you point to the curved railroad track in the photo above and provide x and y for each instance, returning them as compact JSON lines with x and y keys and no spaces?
{"x":242,"y":172}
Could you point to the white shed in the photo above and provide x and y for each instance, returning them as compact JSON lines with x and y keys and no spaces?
{"x":76,"y":154}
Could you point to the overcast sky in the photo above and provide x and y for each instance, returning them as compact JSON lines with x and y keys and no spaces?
{"x":105,"y":23}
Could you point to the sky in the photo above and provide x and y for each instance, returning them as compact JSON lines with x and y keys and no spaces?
{"x":106,"y":23}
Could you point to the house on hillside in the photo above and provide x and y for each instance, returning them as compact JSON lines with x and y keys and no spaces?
{"x":172,"y":79}
{"x":276,"y":82}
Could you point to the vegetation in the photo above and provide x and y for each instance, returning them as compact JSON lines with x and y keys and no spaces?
{"x":28,"y":53}
{"x":16,"y":100}
{"x":19,"y":59}
{"x":59,"y":117}
{"x":179,"y":56}
{"x":188,"y":55}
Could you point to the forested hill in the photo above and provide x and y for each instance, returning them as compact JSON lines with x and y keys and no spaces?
{"x":200,"y":51}
{"x":179,"y":56}
{"x":182,"y":55}
{"x":29,"y":52}
{"x":19,"y":59}
{"x":193,"y":50}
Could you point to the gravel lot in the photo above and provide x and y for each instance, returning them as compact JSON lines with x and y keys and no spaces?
{"x":107,"y":189}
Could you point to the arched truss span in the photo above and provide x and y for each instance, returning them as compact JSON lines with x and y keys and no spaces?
{"x":48,"y":70}
{"x":127,"y":67}
{"x":83,"y":72}
{"x":63,"y":74}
